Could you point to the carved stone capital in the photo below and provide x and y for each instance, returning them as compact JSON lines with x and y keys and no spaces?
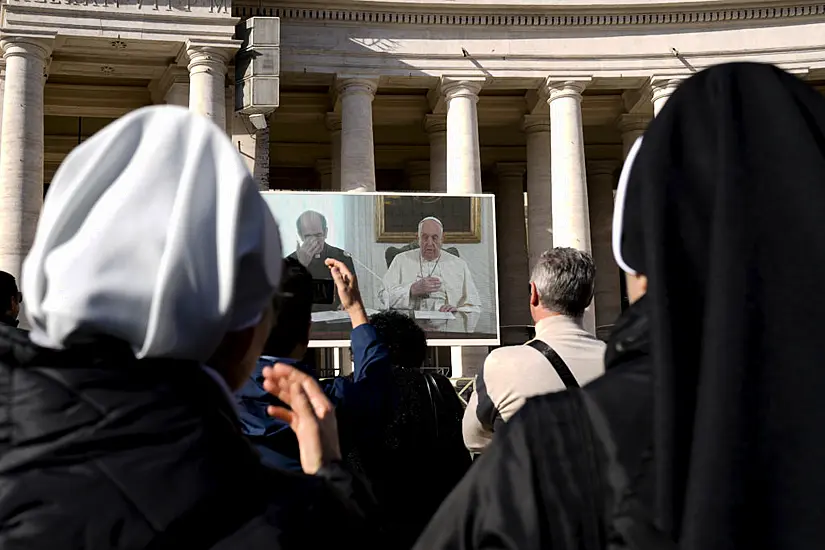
{"x":209,"y":58}
{"x":664,"y":86}
{"x":346,"y":86}
{"x":333,"y":122}
{"x":632,"y":122}
{"x":511,"y":170}
{"x":558,"y":89}
{"x":467,"y":87}
{"x":536,"y":123}
{"x":34,"y":45}
{"x":603,"y":167}
{"x":435,"y":123}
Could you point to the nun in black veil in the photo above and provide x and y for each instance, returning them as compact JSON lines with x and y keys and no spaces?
{"x":708,"y":429}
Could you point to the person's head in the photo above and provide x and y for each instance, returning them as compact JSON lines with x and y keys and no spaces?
{"x":430,"y":237}
{"x":405,"y":340}
{"x":562,"y":283}
{"x":153,"y":232}
{"x":290,"y":331}
{"x":10,"y":295}
{"x":312,"y":225}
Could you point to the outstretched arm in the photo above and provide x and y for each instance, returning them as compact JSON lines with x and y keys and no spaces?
{"x":370,"y":355}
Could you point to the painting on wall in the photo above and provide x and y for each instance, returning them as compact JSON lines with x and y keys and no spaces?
{"x":397,"y":217}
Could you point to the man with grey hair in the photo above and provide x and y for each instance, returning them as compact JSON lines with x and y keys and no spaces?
{"x":561,"y":288}
{"x":428,"y":278}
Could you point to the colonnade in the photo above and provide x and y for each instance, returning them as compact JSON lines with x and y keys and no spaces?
{"x":558,"y":203}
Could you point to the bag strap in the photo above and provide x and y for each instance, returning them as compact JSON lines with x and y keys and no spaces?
{"x":558,"y":363}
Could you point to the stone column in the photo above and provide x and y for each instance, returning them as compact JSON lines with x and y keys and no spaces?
{"x":21,"y":147}
{"x":173,"y":87}
{"x":324,"y":169}
{"x":571,"y":219}
{"x":436,"y":128}
{"x":357,"y":149}
{"x":229,"y":103}
{"x":2,"y":88}
{"x":207,"y":82}
{"x":463,"y":154}
{"x":262,"y":167}
{"x":334,"y":126}
{"x":539,"y":187}
{"x":601,"y":175}
{"x":463,"y":177}
{"x":632,"y":127}
{"x":513,"y":275}
{"x":418,"y":175}
{"x":662,"y":89}
{"x":178,"y":94}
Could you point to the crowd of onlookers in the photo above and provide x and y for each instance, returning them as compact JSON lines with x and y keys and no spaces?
{"x":160,"y":398}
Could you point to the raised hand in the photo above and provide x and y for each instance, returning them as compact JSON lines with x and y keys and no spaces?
{"x":346,"y":284}
{"x":312,"y":417}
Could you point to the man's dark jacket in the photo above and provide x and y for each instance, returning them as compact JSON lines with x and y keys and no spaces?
{"x":101,"y":451}
{"x":319,"y":270}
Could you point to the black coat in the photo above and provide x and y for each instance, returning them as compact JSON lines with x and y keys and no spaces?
{"x":319,"y":270}
{"x":414,"y":457}
{"x":101,"y":451}
{"x":525,"y":491}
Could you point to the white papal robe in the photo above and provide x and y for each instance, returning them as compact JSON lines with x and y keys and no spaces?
{"x":457,"y":286}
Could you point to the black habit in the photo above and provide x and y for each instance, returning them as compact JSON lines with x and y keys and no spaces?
{"x":319,"y":270}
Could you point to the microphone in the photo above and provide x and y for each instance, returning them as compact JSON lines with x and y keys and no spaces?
{"x":360,"y":263}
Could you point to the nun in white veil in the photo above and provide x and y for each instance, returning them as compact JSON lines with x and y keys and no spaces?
{"x":153,"y":233}
{"x":154,"y":257}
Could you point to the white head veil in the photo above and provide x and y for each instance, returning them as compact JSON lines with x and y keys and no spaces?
{"x":152,"y":232}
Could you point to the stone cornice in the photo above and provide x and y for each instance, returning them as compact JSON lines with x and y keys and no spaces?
{"x":551,"y":17}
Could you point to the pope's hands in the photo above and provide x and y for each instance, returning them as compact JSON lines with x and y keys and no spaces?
{"x":448,"y":309}
{"x":425,"y":286}
{"x":312,"y":417}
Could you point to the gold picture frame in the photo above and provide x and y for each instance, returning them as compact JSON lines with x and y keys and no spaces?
{"x":470,"y":233}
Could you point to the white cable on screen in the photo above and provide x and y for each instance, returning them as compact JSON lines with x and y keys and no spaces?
{"x":356,"y":260}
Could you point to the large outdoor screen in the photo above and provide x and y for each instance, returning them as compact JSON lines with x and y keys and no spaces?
{"x":432,"y":257}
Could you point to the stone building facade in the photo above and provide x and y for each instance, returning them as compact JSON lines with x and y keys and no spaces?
{"x":502,"y":96}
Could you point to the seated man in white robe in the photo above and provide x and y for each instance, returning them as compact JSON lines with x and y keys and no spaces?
{"x":430,"y":279}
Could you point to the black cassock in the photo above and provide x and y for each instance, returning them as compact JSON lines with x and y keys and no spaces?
{"x":319,"y":270}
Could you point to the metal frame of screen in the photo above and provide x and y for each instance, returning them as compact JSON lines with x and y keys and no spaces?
{"x":446,"y":342}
